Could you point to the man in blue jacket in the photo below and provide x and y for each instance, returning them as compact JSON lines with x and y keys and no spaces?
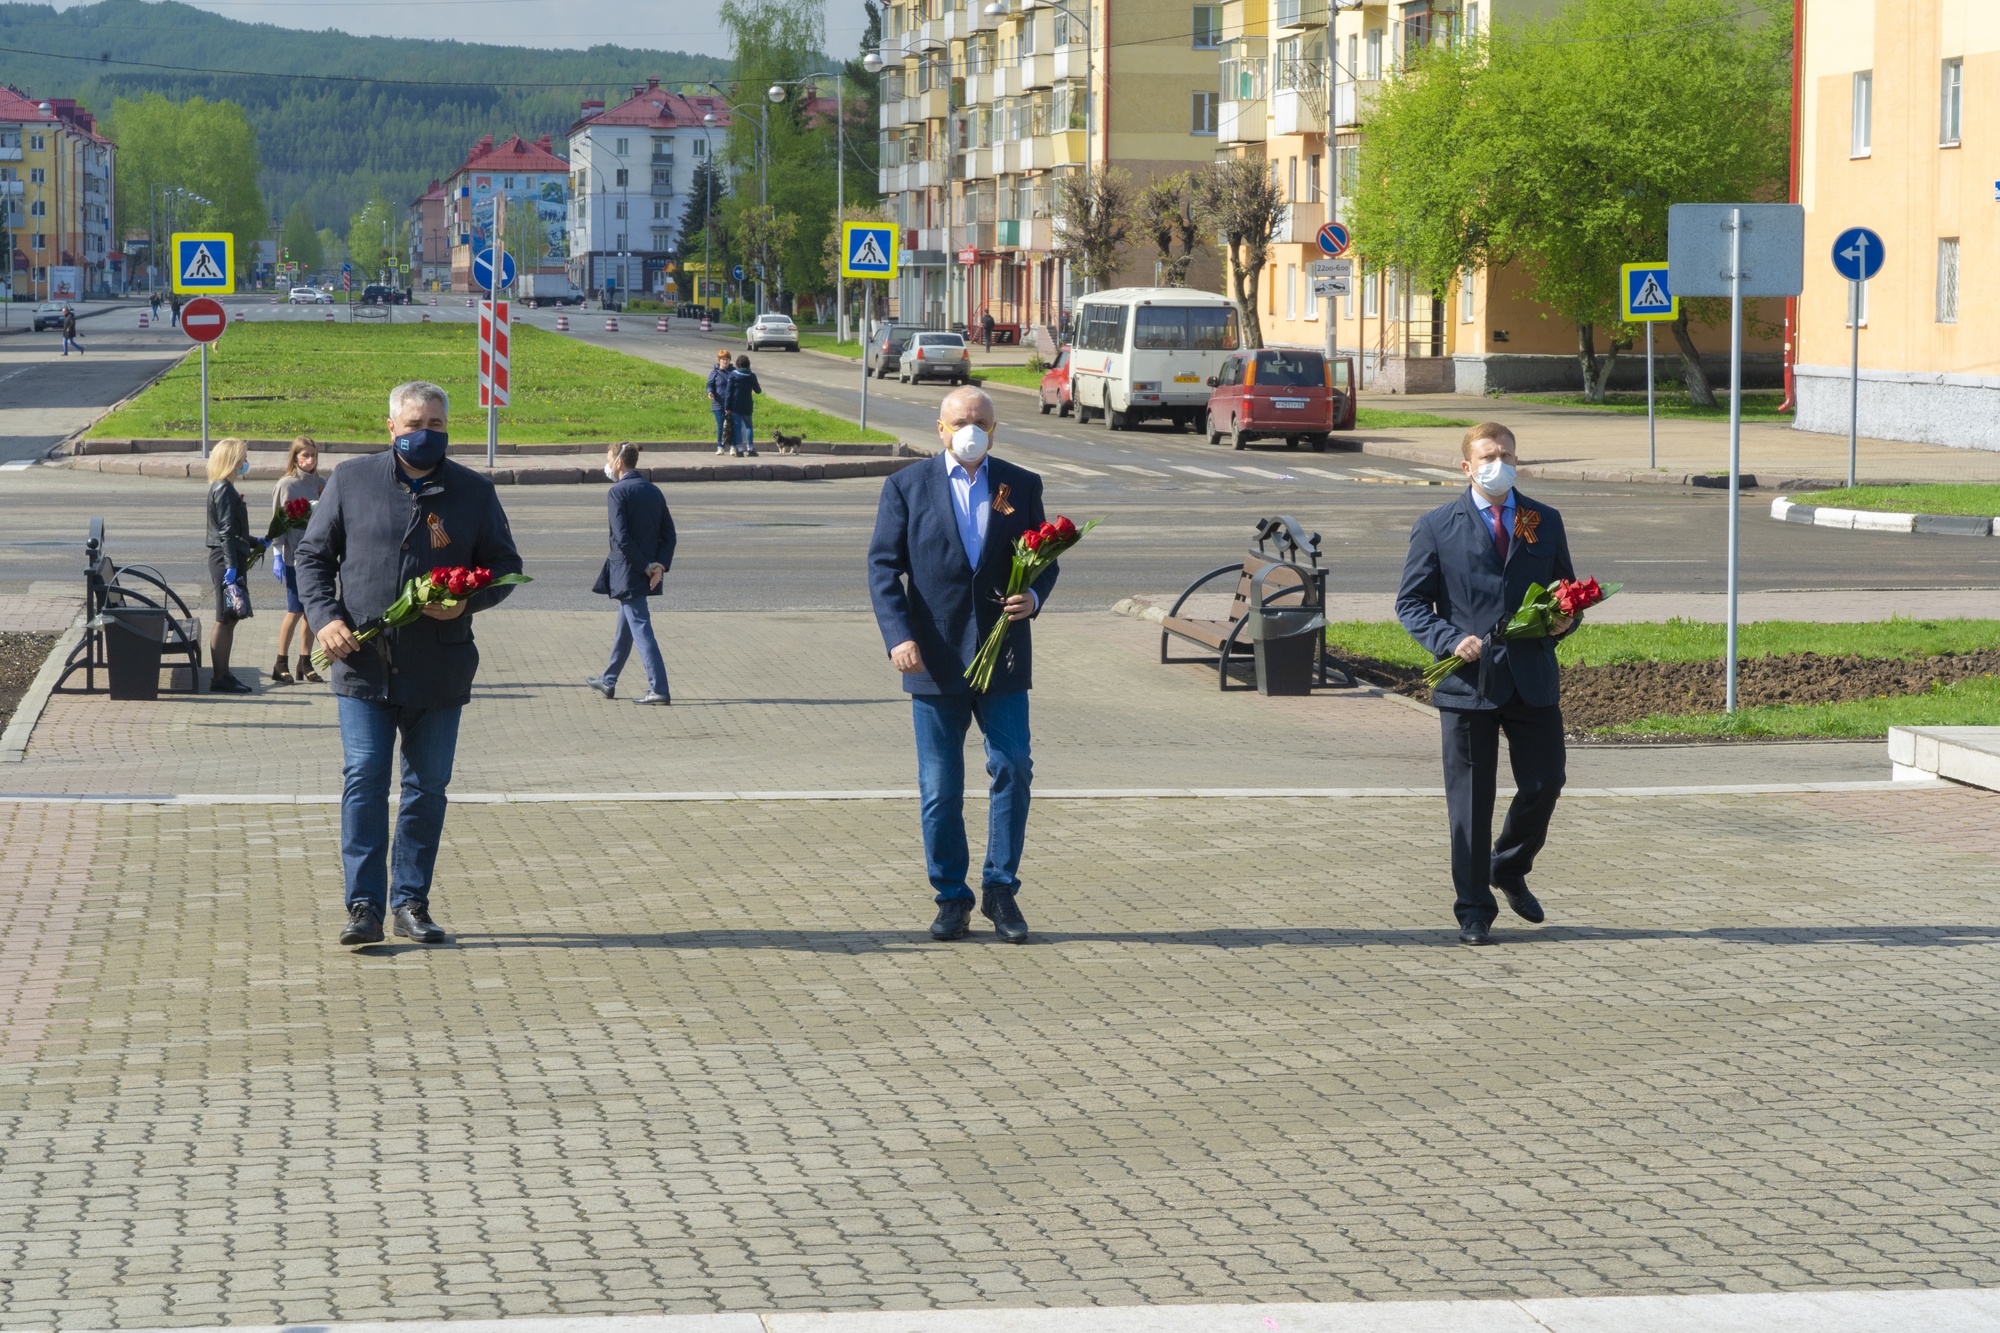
{"x":1469,"y":565}
{"x":642,"y":551}
{"x":385,"y":519}
{"x":937,"y":573}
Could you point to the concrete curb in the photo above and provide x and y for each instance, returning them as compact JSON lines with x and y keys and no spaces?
{"x":789,"y":467}
{"x":14,"y":741}
{"x":1869,"y":520}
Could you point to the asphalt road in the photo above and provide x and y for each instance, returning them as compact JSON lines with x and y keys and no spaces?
{"x":1176,"y":505}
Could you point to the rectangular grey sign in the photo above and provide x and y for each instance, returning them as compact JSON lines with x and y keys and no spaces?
{"x":1774,"y":249}
{"x":1333,"y":268}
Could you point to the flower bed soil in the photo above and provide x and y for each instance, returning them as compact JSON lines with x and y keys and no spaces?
{"x":1605,"y":696}
{"x":21,"y":656}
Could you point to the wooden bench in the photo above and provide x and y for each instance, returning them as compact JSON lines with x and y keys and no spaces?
{"x":104,"y":585}
{"x":1272,"y":580}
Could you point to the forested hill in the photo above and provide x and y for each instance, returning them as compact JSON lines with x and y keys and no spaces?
{"x":335,"y":115}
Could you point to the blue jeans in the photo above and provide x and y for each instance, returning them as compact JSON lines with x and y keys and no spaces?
{"x":721,"y":417}
{"x":635,"y":625}
{"x":746,"y":432}
{"x":368,"y":731}
{"x":942,"y":721}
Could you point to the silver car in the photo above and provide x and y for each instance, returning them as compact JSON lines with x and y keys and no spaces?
{"x":772,"y":330}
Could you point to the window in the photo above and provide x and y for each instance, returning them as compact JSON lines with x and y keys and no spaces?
{"x":37,"y":175}
{"x":1472,"y":20}
{"x":1292,"y":181}
{"x":1027,"y":39}
{"x":1287,"y":369}
{"x":1374,"y":53}
{"x":1207,"y":27}
{"x":1353,"y":69}
{"x":701,"y":148}
{"x":659,"y":209}
{"x":1954,"y":103}
{"x":1202,"y":111}
{"x":624,"y":147}
{"x":621,"y":240}
{"x":38,"y":209}
{"x":1212,"y":328}
{"x":38,"y":241}
{"x":663,"y":179}
{"x":1102,"y":328}
{"x":1947,"y":280}
{"x":619,"y":209}
{"x":1312,"y":179}
{"x":1864,"y":109}
{"x":1160,"y":329}
{"x":1466,"y":296}
{"x":36,"y":143}
{"x":582,"y":180}
{"x":1291,"y":291}
{"x":623,"y":177}
{"x":1371,"y":295}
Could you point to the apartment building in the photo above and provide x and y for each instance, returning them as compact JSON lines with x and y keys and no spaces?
{"x":984,"y":112}
{"x":531,"y":178}
{"x":56,"y":202}
{"x":1899,"y":128}
{"x":430,"y":239}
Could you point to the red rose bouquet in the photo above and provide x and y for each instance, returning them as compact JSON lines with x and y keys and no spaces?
{"x":443,"y":586}
{"x":1034,"y":551}
{"x":1539,"y":606}
{"x":290,"y":516}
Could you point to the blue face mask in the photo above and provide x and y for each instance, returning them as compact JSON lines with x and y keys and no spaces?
{"x":422,"y":449}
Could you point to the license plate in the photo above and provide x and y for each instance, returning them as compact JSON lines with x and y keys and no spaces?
{"x":1187,"y":379}
{"x":1289,"y":404}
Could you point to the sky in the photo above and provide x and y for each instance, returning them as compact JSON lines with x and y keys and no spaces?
{"x":661,"y":25}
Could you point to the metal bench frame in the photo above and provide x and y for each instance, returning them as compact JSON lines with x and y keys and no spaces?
{"x":1292,"y":543}
{"x":104,"y":586}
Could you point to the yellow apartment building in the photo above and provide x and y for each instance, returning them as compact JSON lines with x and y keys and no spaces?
{"x":1900,"y":133}
{"x":55,"y":200}
{"x":986,"y":106}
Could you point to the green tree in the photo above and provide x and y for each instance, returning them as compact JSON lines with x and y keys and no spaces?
{"x":300,"y":240}
{"x":1093,"y":217}
{"x":332,"y":249}
{"x":373,"y":237}
{"x":1165,"y":213}
{"x":203,"y":148}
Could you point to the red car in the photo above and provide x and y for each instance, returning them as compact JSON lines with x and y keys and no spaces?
{"x":1055,"y":387}
{"x":1281,"y":392}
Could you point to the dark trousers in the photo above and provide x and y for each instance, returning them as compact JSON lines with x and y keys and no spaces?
{"x":1471,"y":767}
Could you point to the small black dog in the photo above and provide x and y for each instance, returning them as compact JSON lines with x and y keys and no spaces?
{"x":787,"y":444}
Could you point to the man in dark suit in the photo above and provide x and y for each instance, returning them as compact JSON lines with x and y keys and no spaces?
{"x":937,"y":573}
{"x":1469,"y":565}
{"x":642,"y":551}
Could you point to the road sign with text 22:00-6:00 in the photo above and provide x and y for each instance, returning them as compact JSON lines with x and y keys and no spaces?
{"x":867,"y":250}
{"x":204,"y":262}
{"x":1644,"y":294}
{"x":495,"y":337}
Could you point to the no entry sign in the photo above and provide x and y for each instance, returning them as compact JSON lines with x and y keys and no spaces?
{"x":203,"y":320}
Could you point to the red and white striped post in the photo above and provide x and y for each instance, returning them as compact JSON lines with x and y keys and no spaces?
{"x":495,"y":349}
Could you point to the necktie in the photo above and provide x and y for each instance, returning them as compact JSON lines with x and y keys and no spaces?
{"x":1499,"y":534}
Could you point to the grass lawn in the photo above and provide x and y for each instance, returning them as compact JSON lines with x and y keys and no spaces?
{"x":1386,"y":418}
{"x":1687,"y":641}
{"x":1019,"y":376}
{"x":1964,"y":703}
{"x":1976,"y":501}
{"x":1756,"y":406}
{"x":828,"y":342}
{"x":332,"y":381}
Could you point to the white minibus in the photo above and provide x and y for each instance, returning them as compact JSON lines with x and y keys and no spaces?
{"x":1139,"y":353}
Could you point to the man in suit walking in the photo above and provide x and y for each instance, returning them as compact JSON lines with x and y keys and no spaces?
{"x":642,"y":551}
{"x":937,"y":573}
{"x":1469,"y":565}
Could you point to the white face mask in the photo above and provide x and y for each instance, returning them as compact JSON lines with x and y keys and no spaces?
{"x":969,"y":443}
{"x":610,"y":472}
{"x":1495,"y":476}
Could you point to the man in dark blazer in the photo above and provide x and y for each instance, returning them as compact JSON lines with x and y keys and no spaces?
{"x":384,"y":520}
{"x":642,"y":551}
{"x":937,"y":573}
{"x":1469,"y":565}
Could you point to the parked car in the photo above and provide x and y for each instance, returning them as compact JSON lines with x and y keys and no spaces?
{"x":377,"y":294}
{"x":1291,"y":393}
{"x":307,"y":296}
{"x":936,"y":356}
{"x":772,"y":330}
{"x":1055,"y":386}
{"x":1143,"y":353}
{"x":885,"y":347}
{"x":48,"y":315}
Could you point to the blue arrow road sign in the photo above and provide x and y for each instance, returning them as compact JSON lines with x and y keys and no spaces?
{"x":737,"y":273}
{"x":1857,"y":254}
{"x":482,"y":269}
{"x":1333,"y":239}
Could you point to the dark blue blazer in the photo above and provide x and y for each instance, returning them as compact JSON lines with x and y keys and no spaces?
{"x":642,"y":534}
{"x":925,"y":590}
{"x":1455,"y":585}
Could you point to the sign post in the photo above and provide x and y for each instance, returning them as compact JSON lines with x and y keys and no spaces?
{"x":1647,"y":299}
{"x":1857,"y":256}
{"x":1736,"y":250}
{"x":203,"y":320}
{"x":1331,"y":277}
{"x":495,"y":367}
{"x":867,"y":250}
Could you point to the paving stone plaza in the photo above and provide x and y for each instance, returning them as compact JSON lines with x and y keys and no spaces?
{"x":693,"y":1054}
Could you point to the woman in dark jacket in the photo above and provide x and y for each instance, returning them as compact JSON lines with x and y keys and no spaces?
{"x":718,"y":400}
{"x":742,"y":407}
{"x":231,"y":548}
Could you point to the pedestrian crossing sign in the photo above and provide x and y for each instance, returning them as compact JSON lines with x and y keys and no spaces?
{"x":204,"y":262}
{"x":867,"y":250}
{"x":1645,"y":295}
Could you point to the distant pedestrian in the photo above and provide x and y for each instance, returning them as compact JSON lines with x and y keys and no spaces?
{"x":642,"y":551}
{"x":301,"y":481}
{"x":69,"y":332}
{"x":743,"y":386}
{"x":385,"y":519}
{"x":155,"y":303}
{"x":175,"y":302}
{"x":986,"y":327}
{"x":718,"y":400}
{"x":230,"y":550}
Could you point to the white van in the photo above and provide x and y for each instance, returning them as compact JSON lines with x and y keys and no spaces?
{"x":1144,"y":352}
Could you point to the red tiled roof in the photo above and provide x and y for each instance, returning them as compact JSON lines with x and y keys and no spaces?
{"x":515,"y":155}
{"x":653,"y":107}
{"x":21,"y":107}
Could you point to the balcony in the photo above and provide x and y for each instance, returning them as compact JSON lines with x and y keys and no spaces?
{"x":10,"y":152}
{"x":1301,"y":225}
{"x":1292,"y":14}
{"x":1298,"y":111}
{"x":1038,"y":71}
{"x":15,"y":188}
{"x":1353,"y":101}
{"x":662,"y":190}
{"x":1241,"y":122}
{"x":976,"y":163}
{"x":888,"y":180}
{"x":1006,"y":82}
{"x":1071,"y":62}
{"x":1067,"y":148}
{"x":931,"y":238}
{"x":933,"y":105}
{"x":978,"y":89}
{"x":1036,"y":154}
{"x":978,"y":20}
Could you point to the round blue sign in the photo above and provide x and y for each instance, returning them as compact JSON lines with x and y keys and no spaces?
{"x":1333,"y":240}
{"x":737,"y":273}
{"x":1857,"y":254}
{"x":482,"y":269}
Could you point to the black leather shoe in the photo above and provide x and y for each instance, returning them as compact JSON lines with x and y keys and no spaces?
{"x":1518,"y":898}
{"x":953,"y":919}
{"x":1474,"y":932}
{"x":224,"y":683}
{"x":1005,"y":914}
{"x":607,"y":688}
{"x":363,"y":926}
{"x":414,"y":923}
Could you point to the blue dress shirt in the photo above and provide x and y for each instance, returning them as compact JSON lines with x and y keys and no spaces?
{"x":1486,"y":513}
{"x":971,"y":505}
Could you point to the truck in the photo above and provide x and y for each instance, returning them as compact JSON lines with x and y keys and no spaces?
{"x":536,"y":290}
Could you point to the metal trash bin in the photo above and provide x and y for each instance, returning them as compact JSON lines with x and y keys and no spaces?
{"x":1285,"y":639}
{"x":133,"y":637}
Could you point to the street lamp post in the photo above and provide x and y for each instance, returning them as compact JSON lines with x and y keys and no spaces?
{"x":772,"y":94}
